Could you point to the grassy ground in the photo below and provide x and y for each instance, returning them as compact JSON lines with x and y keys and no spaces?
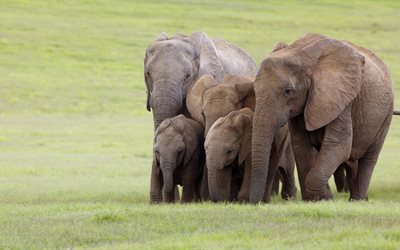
{"x":75,"y":138}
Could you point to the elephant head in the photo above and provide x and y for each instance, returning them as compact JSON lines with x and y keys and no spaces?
{"x":316,"y":77}
{"x":227,"y":145}
{"x":175,"y":142}
{"x":171,"y":66}
{"x":210,"y":100}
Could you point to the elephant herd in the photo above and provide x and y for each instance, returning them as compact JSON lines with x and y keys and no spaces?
{"x":228,"y":130}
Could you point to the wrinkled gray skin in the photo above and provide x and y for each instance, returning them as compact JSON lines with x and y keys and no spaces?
{"x":228,"y":159}
{"x":172,"y":65}
{"x":178,"y":147}
{"x":338,"y":99}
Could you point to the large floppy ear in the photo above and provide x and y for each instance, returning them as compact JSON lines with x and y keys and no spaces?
{"x":194,"y":98}
{"x":245,"y":88}
{"x":278,"y":46}
{"x":245,"y":146}
{"x":209,"y":62}
{"x":336,"y":81}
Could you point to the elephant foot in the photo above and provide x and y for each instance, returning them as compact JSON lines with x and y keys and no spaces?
{"x":358,"y":198}
{"x":317,"y":195}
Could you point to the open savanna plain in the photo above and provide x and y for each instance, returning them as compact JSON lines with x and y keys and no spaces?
{"x":76,"y":139}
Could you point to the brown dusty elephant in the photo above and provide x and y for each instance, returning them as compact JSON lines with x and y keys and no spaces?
{"x":173,"y":64}
{"x":178,"y":148}
{"x":228,"y":158}
{"x":338,"y":99}
{"x":209,"y":100}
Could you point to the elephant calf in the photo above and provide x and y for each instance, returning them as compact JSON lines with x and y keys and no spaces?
{"x":178,"y":148}
{"x":228,"y":159}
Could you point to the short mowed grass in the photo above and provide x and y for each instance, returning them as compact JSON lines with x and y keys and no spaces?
{"x":75,"y":138}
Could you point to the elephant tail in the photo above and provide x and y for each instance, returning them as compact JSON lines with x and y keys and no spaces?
{"x":396,"y":112}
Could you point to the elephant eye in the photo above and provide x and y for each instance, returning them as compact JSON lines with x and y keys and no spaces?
{"x":203,"y":115}
{"x":180,"y":151}
{"x":288,"y":92}
{"x":229,"y":152}
{"x":187,"y":76}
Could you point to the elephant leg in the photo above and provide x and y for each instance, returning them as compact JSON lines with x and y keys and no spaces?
{"x":335,"y":149}
{"x":205,"y":194}
{"x":340,"y":178}
{"x":244,"y":192}
{"x":304,"y":152}
{"x":367,"y":163}
{"x":275,"y":184}
{"x":288,"y":184}
{"x":272,"y":172}
{"x":189,"y":181}
{"x":156,"y":183}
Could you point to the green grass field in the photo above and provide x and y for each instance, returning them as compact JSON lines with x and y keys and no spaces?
{"x":75,"y":137}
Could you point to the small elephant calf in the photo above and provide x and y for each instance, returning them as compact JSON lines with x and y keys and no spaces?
{"x":179,"y":153}
{"x":228,"y":159}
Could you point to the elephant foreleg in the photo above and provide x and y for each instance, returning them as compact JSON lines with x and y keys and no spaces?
{"x":244,"y":192}
{"x":304,"y":152}
{"x":335,"y":149}
{"x":205,"y":194}
{"x":189,"y":181}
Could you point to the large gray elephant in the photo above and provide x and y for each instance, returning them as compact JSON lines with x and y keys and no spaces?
{"x":172,"y":65}
{"x":338,"y":99}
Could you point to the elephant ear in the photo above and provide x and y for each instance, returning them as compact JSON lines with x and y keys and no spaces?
{"x":245,"y":146}
{"x":279,"y":46}
{"x":161,"y":37}
{"x":244,"y":87}
{"x":336,"y":81}
{"x":194,"y":98}
{"x":209,"y":62}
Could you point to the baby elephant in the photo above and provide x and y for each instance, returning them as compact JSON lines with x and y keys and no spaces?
{"x":178,"y":148}
{"x":228,"y":159}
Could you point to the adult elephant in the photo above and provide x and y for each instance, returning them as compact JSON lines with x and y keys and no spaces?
{"x":338,"y":99}
{"x":172,"y":65}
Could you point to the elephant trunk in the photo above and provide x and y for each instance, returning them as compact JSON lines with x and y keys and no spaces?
{"x":168,"y":177}
{"x":166,"y":102}
{"x":264,"y":129}
{"x":219,"y":183}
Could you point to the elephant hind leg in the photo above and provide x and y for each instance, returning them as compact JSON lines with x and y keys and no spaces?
{"x":288,"y":184}
{"x":367,"y":164}
{"x":275,"y":184}
{"x":340,"y":178}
